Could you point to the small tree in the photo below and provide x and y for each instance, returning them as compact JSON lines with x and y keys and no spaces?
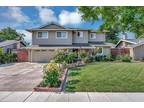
{"x":51,"y":75}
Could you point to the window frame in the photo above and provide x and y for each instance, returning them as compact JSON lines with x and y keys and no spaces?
{"x":82,"y":34}
{"x":94,"y":35}
{"x":66,"y":37}
{"x":43,"y":37}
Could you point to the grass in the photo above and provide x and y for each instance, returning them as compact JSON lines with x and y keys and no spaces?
{"x":107,"y":77}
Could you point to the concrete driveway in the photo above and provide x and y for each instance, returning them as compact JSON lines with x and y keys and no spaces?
{"x":20,"y":76}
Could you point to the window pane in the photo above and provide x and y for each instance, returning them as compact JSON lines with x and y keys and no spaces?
{"x":93,"y":36}
{"x":80,"y":34}
{"x":42,"y":35}
{"x":58,"y":34}
{"x":64,"y":34}
{"x":61,"y":34}
{"x":39,"y":34}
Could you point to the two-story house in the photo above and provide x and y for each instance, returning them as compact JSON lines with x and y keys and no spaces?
{"x":48,"y":38}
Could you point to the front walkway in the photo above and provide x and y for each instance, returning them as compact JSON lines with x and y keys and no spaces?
{"x":70,"y":97}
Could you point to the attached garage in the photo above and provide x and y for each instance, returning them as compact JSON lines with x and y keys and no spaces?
{"x":41,"y":55}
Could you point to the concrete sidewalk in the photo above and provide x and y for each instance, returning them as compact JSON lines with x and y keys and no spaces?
{"x":70,"y":97}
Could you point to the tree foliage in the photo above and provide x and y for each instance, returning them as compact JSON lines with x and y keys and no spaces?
{"x":112,"y":36}
{"x":124,"y":19}
{"x":10,"y":34}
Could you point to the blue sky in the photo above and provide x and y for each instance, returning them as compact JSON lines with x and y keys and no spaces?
{"x":22,"y":18}
{"x":33,"y":17}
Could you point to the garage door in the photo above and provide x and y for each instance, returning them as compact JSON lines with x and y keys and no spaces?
{"x":42,"y":55}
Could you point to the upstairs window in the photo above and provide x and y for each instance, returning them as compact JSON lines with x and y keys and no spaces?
{"x":80,"y":34}
{"x":61,"y":35}
{"x":92,"y":36}
{"x":42,"y":35}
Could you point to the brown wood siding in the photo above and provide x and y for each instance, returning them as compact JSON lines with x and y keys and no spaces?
{"x":120,"y":51}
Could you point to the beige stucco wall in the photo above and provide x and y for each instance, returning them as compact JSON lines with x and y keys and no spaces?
{"x":52,"y":40}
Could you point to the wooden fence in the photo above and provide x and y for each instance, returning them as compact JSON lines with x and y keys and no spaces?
{"x":120,"y":51}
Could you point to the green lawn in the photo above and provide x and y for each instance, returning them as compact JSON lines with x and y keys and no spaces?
{"x":107,"y":77}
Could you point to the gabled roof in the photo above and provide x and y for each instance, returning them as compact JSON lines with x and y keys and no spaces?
{"x":49,"y":24}
{"x":54,"y":26}
{"x":131,"y":41}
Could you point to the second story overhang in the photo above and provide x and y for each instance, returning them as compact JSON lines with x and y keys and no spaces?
{"x":32,"y":30}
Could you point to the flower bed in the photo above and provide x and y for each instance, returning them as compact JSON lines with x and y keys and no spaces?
{"x":58,"y":88}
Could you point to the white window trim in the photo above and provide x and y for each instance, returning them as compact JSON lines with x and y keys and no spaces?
{"x":82,"y":33}
{"x":91,"y":37}
{"x":43,"y":37}
{"x":61,"y":37}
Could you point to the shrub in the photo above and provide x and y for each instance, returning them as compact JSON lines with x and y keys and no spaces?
{"x":108,"y":58}
{"x":124,"y":58}
{"x":60,"y":57}
{"x":86,"y":60}
{"x":142,"y":59}
{"x":70,"y":57}
{"x":51,"y":75}
{"x":91,"y":59}
{"x":83,"y":55}
{"x":99,"y":57}
{"x":6,"y":58}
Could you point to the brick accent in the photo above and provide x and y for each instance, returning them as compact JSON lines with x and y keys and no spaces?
{"x":22,"y":55}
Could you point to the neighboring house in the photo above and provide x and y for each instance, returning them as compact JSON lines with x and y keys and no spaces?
{"x":11,"y":45}
{"x":136,"y":47}
{"x":48,"y":38}
{"x":126,"y":43}
{"x":138,"y":50}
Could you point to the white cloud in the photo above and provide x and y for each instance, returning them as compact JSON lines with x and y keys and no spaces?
{"x":66,"y":17}
{"x":46,"y":15}
{"x":16,"y":14}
